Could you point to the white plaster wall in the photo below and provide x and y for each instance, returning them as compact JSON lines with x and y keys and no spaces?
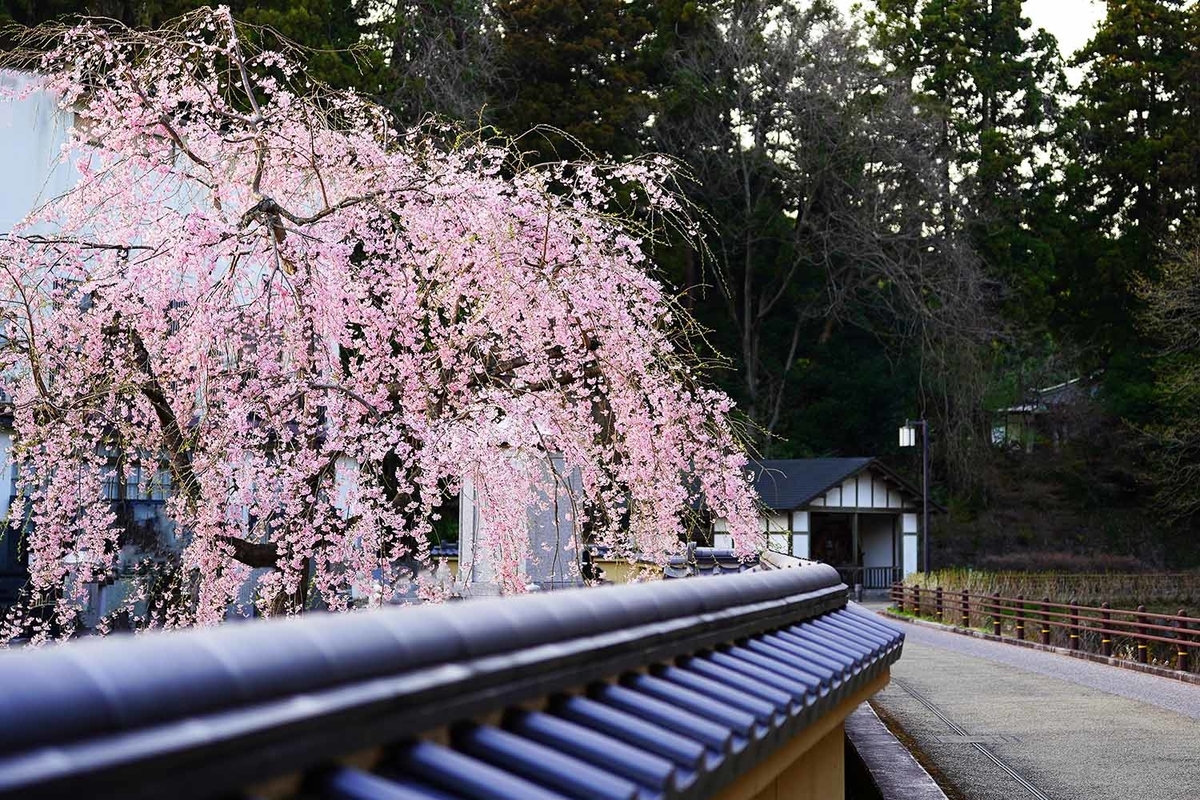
{"x":875,"y":532}
{"x":776,"y":522}
{"x":6,"y":443}
{"x":551,"y":555}
{"x":32,"y":132}
{"x":474,"y":565}
{"x":910,"y":553}
{"x":909,"y":527}
{"x":800,"y":545}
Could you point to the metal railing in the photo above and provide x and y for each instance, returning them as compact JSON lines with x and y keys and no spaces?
{"x":871,"y":577}
{"x":1147,"y":637}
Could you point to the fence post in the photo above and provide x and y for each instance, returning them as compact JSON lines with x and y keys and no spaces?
{"x":916,"y":600}
{"x":1105,"y":636}
{"x":1143,"y":657}
{"x":937,"y":597}
{"x":996,"y":619}
{"x":1074,"y":637}
{"x":1045,"y":632}
{"x":1020,"y":618}
{"x":1181,"y":653}
{"x":966,"y":609}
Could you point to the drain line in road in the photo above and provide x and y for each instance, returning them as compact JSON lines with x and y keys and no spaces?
{"x":995,"y":759}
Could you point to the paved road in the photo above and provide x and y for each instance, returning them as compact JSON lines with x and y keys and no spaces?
{"x":1009,"y":723}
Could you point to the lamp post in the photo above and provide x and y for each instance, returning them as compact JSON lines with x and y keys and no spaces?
{"x":908,"y":438}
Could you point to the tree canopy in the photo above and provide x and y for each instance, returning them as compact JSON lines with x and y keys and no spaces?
{"x":921,"y":209}
{"x":311,"y":323}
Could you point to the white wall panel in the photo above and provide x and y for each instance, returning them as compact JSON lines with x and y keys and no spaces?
{"x":910,"y":553}
{"x":910,"y":523}
{"x":32,"y":133}
{"x":6,"y":440}
{"x":723,"y":541}
{"x":800,"y":545}
{"x":776,"y":522}
{"x":834,"y":496}
{"x":720,"y":525}
{"x":850,"y":492}
{"x":876,"y":532}
{"x":778,"y":542}
{"x":800,"y":521}
{"x":864,"y":490}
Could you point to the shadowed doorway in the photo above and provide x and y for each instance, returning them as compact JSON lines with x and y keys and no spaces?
{"x":831,"y":539}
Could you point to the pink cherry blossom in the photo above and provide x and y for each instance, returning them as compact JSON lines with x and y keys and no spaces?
{"x":314,"y":326}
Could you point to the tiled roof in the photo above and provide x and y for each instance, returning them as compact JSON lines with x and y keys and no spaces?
{"x":786,"y":484}
{"x":685,"y":685}
{"x":447,"y":550}
{"x":707,"y":561}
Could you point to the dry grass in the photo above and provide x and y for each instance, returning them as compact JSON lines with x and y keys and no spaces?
{"x":1178,"y":589}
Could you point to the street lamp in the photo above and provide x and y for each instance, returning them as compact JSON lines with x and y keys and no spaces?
{"x":908,"y":438}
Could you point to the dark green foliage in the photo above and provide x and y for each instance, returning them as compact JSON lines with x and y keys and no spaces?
{"x":573,"y":64}
{"x":435,"y":57}
{"x":846,"y":232}
{"x":1133,"y":187}
{"x":996,"y":89}
{"x":329,"y":27}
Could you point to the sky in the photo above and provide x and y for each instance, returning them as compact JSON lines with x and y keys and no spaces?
{"x":1071,"y":21}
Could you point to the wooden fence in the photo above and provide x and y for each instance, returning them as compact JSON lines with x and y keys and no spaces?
{"x":1182,"y":588}
{"x":1169,"y":640}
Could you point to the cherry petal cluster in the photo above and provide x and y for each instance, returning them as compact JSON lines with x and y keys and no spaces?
{"x":306,"y":327}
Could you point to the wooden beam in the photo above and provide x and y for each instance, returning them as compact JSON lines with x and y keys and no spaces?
{"x":854,"y":540}
{"x":765,"y":773}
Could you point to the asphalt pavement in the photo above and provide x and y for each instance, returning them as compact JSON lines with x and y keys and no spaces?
{"x":1009,"y":723}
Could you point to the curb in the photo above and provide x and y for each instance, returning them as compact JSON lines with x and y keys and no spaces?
{"x":1096,"y":658}
{"x":896,"y":774}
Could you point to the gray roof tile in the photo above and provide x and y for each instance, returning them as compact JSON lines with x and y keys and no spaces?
{"x":688,"y":684}
{"x":786,"y":484}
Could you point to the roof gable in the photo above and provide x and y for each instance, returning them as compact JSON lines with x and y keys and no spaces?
{"x":787,"y":484}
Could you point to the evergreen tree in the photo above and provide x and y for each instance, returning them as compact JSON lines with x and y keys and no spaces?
{"x":821,"y":185}
{"x":329,"y":28}
{"x":437,"y":57}
{"x":995,"y":87}
{"x":576,"y":65}
{"x":1134,"y":182}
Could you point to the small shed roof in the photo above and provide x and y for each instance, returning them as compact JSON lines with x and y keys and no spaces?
{"x":787,"y":484}
{"x":790,"y":483}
